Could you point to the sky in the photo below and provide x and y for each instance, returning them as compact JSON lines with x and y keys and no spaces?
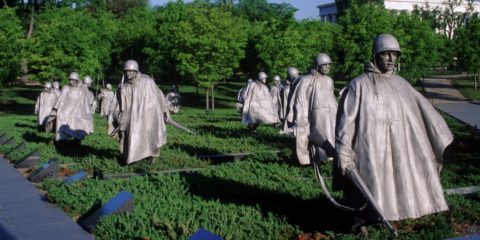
{"x":306,"y":8}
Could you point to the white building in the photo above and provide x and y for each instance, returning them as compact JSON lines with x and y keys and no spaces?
{"x":328,"y":11}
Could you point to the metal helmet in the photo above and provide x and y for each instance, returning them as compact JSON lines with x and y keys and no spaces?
{"x":276,"y":78}
{"x":385,"y":42}
{"x":74,"y":76}
{"x":109,"y":86}
{"x":48,"y":85}
{"x":131,"y":65}
{"x":292,"y":72}
{"x":322,"y":59}
{"x":87,"y":80}
{"x":56,"y":85}
{"x":262,"y":75}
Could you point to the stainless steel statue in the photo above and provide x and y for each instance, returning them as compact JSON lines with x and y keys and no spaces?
{"x":294,"y":78}
{"x":141,"y":116}
{"x":241,"y":96}
{"x":258,"y":105}
{"x":106,"y":97}
{"x":173,"y":100}
{"x":56,"y":88}
{"x":73,"y":111}
{"x":275,"y":93}
{"x":45,"y":102}
{"x":315,"y":109}
{"x":390,"y":136}
{"x":286,"y":90}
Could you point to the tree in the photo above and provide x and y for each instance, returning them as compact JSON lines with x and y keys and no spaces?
{"x":360,"y":24}
{"x":421,"y":46}
{"x":468,"y":47}
{"x":448,"y":17}
{"x":71,"y":40}
{"x":296,"y":46}
{"x":11,"y":40}
{"x":206,"y":43}
{"x":343,"y":5}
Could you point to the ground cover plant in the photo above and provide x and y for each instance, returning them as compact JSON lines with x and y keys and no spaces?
{"x":266,"y":195}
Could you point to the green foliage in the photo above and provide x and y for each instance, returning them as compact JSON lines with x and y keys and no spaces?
{"x":421,"y":46}
{"x":360,"y":24}
{"x":68,"y":40}
{"x":205,"y":43}
{"x":468,"y":47}
{"x":11,"y":40}
{"x":263,"y":196}
{"x":419,"y":43}
{"x":295,"y":46}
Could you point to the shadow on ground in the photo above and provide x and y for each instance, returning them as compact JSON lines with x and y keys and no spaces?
{"x":309,"y":214}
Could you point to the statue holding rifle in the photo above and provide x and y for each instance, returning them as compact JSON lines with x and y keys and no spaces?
{"x":142,"y":113}
{"x":390,"y":140}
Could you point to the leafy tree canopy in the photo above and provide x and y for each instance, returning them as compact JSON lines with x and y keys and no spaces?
{"x":11,"y":42}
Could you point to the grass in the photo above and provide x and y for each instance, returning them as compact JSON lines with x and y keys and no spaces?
{"x":263,"y":196}
{"x":466,"y":86}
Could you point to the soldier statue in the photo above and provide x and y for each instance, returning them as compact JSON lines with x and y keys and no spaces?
{"x":173,"y":100}
{"x":258,"y":104}
{"x":390,"y":136}
{"x":315,"y":108}
{"x":45,"y":102}
{"x":106,"y":97}
{"x":56,"y":88}
{"x":275,"y":93}
{"x":141,"y":116}
{"x":73,"y":111}
{"x":241,"y":96}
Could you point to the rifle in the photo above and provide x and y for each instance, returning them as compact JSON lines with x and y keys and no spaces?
{"x":179,"y":126}
{"x":352,"y":173}
{"x":167,"y":121}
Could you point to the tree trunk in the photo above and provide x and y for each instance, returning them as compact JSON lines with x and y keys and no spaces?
{"x":5,"y":5}
{"x":206,"y":99}
{"x":31,"y":22}
{"x":213,"y":99}
{"x":475,"y":79}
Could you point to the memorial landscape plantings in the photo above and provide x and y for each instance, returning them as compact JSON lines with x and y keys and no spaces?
{"x":262,"y":196}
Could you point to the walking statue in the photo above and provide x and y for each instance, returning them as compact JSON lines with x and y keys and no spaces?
{"x":315,"y":108}
{"x":142,"y":113}
{"x":275,"y":93}
{"x":285,"y":97}
{"x":56,"y":88}
{"x":390,"y":142}
{"x":258,"y":105}
{"x":241,"y":96}
{"x":45,"y":102}
{"x":173,"y":100}
{"x":72,"y":111}
{"x":289,"y":99}
{"x":106,"y":97}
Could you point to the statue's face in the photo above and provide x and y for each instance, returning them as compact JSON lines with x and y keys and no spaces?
{"x":56,"y":86}
{"x":385,"y":61}
{"x":73,"y":83}
{"x":324,"y":69}
{"x":131,"y":75}
{"x":263,"y":80}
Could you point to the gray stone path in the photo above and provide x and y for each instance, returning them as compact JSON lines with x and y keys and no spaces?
{"x":26,"y":214}
{"x":441,"y":93}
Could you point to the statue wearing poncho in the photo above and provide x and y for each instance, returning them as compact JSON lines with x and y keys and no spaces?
{"x":275,"y":93}
{"x":106,"y":97}
{"x":74,"y":116}
{"x":45,"y":102}
{"x":393,"y":137}
{"x":315,"y":109}
{"x":142,"y":109}
{"x":258,"y":106}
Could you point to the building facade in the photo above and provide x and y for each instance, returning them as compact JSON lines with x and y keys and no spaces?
{"x":328,"y":11}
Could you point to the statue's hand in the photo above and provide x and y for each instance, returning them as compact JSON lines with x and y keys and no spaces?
{"x":345,"y":163}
